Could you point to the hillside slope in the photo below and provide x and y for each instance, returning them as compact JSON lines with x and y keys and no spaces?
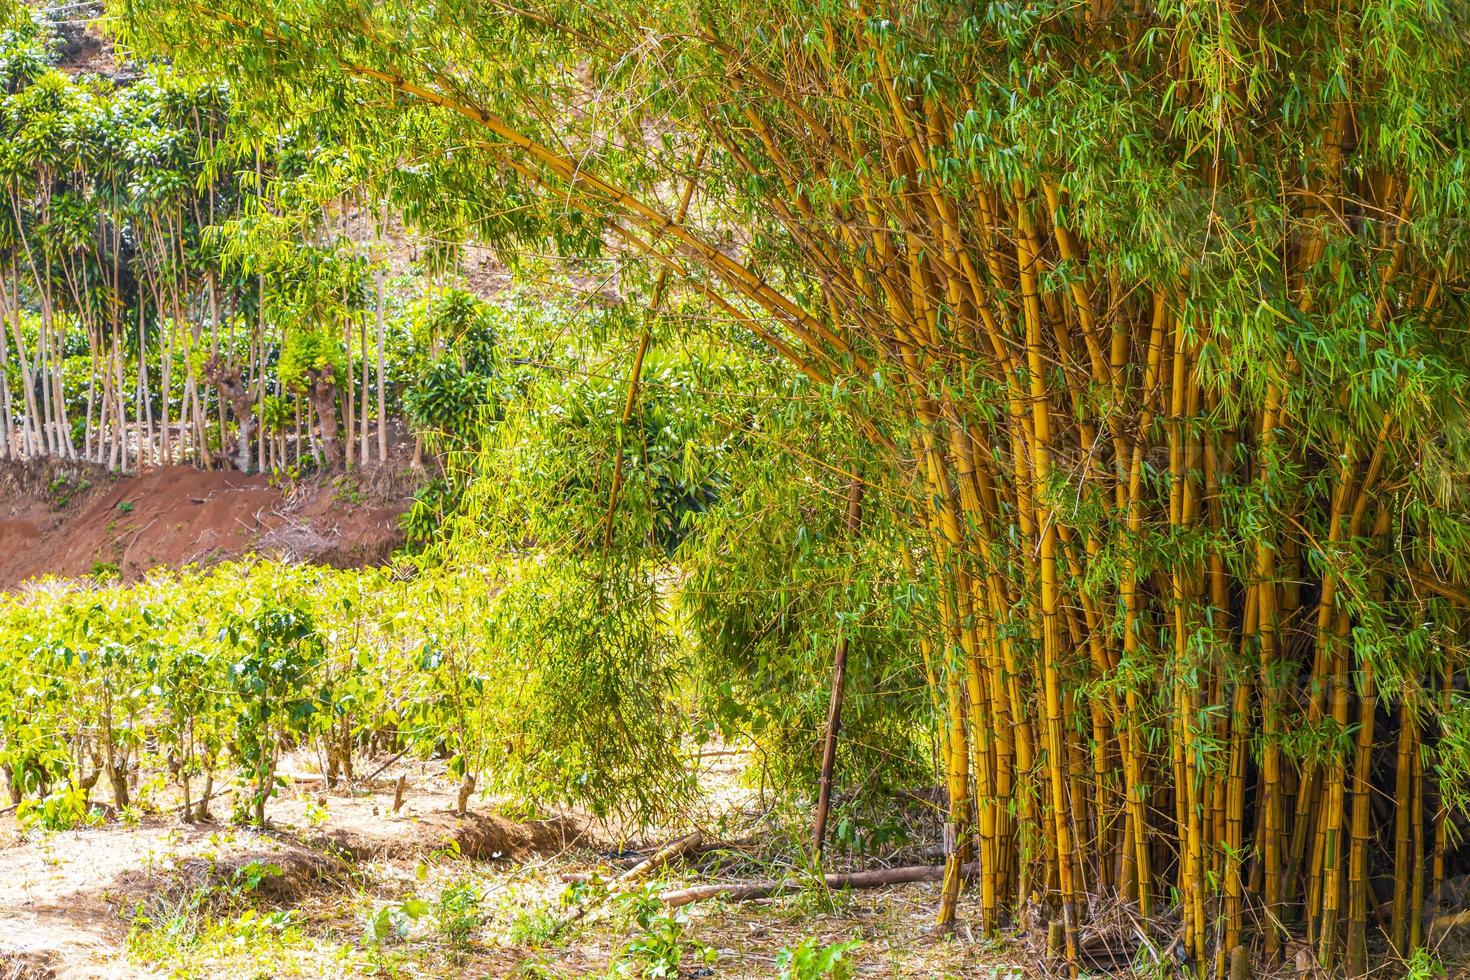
{"x":73,"y":520}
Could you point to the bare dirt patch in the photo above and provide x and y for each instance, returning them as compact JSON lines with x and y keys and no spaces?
{"x":60,"y":907}
{"x":73,"y":520}
{"x":477,"y":835}
{"x":360,"y":824}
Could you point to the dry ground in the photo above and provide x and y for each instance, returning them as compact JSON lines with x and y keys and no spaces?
{"x":152,"y":897}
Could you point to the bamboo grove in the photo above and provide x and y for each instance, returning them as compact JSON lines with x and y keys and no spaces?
{"x":1152,"y":319}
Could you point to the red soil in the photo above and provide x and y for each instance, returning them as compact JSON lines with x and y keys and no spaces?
{"x":72,"y":523}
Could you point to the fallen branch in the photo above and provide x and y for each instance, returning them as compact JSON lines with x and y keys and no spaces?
{"x":202,"y":804}
{"x":659,"y":858}
{"x":766,"y":889}
{"x":624,"y":881}
{"x":582,"y":877}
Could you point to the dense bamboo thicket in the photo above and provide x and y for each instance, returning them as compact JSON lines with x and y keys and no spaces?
{"x":1154,"y":311}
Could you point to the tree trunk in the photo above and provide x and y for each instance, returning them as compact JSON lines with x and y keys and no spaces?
{"x":765,"y":889}
{"x":349,"y":403}
{"x":165,"y":382}
{"x":90,"y":451}
{"x":202,"y":810}
{"x":382,"y":393}
{"x":466,"y":788}
{"x":188,"y":806}
{"x":323,"y":394}
{"x":117,"y":769}
{"x":232,"y":389}
{"x":5,"y":411}
{"x":364,"y":448}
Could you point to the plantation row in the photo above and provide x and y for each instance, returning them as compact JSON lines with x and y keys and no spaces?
{"x":166,"y":693}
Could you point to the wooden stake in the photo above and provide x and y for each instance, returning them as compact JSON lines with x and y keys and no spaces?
{"x":834,"y":709}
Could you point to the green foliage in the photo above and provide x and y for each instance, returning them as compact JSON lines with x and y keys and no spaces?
{"x":275,"y":414}
{"x":433,"y":501}
{"x":25,"y":47}
{"x":458,"y":913}
{"x":660,"y":948}
{"x":231,"y":667}
{"x":222,"y":911}
{"x":63,"y":809}
{"x":1424,"y":965}
{"x":543,"y":473}
{"x":449,"y":399}
{"x":276,"y":680}
{"x":311,"y":355}
{"x":1123,"y":317}
{"x":1452,"y":760}
{"x":776,"y":579}
{"x":395,"y":920}
{"x":150,"y":234}
{"x":249,"y":876}
{"x":576,"y":669}
{"x":810,"y":960}
{"x":534,"y":927}
{"x":457,"y":323}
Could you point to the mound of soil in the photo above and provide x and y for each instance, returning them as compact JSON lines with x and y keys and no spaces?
{"x":477,"y":835}
{"x":363,"y":826}
{"x":76,"y":520}
{"x":285,"y":872}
